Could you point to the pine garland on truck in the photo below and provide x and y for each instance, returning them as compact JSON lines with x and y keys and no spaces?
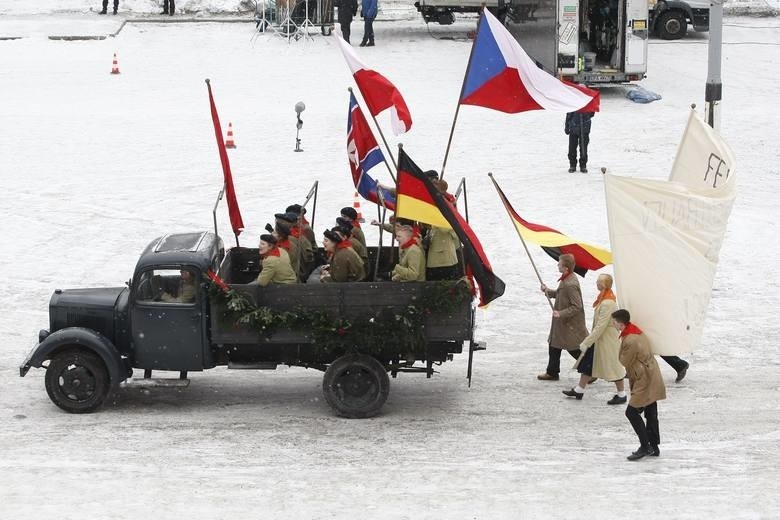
{"x":385,"y":332}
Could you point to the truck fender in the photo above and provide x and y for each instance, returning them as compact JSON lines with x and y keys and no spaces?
{"x":78,"y":337}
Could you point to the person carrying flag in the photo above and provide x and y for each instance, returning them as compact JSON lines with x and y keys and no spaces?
{"x":567,"y":329}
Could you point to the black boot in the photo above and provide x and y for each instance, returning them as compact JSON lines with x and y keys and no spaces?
{"x":642,"y":452}
{"x":363,"y":43}
{"x":103,"y":11}
{"x":370,"y":43}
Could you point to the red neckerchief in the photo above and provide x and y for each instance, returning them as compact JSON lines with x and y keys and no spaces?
{"x":343,"y":244}
{"x":630,"y":329}
{"x":272,"y":252}
{"x":284,"y":244}
{"x":450,"y":198}
{"x":564,"y":276}
{"x":356,"y":224}
{"x":416,"y":231}
{"x":606,"y":294}
{"x":409,"y":243}
{"x":295,"y":231}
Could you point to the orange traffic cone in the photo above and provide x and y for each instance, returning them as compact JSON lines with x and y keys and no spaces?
{"x":229,"y":143}
{"x":356,"y":207}
{"x":115,"y":66}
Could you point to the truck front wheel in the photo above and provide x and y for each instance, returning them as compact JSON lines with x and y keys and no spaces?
{"x":672,"y":25}
{"x":77,"y":381}
{"x":356,"y":386}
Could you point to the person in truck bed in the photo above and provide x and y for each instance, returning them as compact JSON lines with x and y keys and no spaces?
{"x":276,"y":263}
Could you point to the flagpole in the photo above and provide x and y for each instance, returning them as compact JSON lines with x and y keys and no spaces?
{"x":387,"y":147}
{"x":460,"y":96}
{"x":527,"y":252}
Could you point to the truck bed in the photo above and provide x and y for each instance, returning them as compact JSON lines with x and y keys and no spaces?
{"x":346,"y":300}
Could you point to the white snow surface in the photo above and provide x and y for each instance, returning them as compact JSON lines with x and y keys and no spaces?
{"x":95,"y":166}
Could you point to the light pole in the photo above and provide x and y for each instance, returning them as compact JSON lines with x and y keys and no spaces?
{"x":713,"y":91}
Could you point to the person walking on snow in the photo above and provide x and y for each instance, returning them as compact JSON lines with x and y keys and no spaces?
{"x":169,"y":7}
{"x":646,"y":383}
{"x":369,"y":10}
{"x":577,"y":127}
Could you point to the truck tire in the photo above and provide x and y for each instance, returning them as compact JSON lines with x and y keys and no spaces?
{"x":672,"y":25}
{"x":77,"y":380}
{"x":356,"y":386}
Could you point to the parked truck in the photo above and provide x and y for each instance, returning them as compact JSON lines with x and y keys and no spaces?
{"x":669,"y":19}
{"x":97,"y":337}
{"x":594,"y":42}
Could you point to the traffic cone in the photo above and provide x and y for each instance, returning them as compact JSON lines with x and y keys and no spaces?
{"x":229,"y":143}
{"x":356,"y":207}
{"x":115,"y":66}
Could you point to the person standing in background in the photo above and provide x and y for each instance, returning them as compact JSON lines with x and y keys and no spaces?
{"x":577,"y":127}
{"x":169,"y":7}
{"x":347,"y":11}
{"x":105,"y":6}
{"x":369,"y":11}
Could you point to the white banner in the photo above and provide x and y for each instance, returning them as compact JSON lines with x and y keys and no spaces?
{"x":666,"y":236}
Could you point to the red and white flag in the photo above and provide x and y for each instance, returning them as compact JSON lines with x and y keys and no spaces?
{"x":378,"y":92}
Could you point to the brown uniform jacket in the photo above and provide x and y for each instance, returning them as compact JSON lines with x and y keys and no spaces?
{"x":345,"y":266}
{"x":360,"y":249}
{"x":358,"y":233}
{"x":567,"y":331}
{"x":442,"y":247}
{"x":276,"y":269}
{"x":410,"y":266}
{"x":644,"y":376}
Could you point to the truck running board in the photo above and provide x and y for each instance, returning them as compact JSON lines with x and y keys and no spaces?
{"x":235,"y":365}
{"x":157,"y":382}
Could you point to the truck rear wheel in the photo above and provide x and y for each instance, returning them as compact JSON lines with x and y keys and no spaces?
{"x":77,"y":381}
{"x":672,"y":25}
{"x":356,"y":386}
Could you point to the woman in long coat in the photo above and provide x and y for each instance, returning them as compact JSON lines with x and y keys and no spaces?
{"x":600,"y":349}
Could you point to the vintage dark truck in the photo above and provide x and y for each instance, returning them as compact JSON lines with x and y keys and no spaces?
{"x":96,"y":337}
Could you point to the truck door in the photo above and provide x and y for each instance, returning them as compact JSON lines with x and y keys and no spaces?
{"x":534,"y":24}
{"x":636,"y":32}
{"x":166,"y":318}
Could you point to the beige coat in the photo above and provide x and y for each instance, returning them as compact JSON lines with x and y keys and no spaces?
{"x":360,"y":249}
{"x":442,"y":247}
{"x":567,"y":331}
{"x":410,"y":266}
{"x":604,"y":338}
{"x":277,"y":269}
{"x":644,"y":376}
{"x":345,"y":266}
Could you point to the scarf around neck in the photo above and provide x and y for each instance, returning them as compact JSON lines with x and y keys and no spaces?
{"x":606,"y":294}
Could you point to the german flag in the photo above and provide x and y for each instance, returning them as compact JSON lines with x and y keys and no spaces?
{"x":418,"y":199}
{"x":586,"y":257}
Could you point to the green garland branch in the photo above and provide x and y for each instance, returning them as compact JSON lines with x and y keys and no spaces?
{"x":386,"y":332}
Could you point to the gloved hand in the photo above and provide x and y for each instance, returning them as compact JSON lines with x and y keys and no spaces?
{"x":269,"y":228}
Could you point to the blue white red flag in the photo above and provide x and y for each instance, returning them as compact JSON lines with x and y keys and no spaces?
{"x":378,"y":92}
{"x":364,"y":153}
{"x":501,"y":76}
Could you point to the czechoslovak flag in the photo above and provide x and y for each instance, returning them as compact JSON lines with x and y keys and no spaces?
{"x":377,"y":91}
{"x":501,"y":76}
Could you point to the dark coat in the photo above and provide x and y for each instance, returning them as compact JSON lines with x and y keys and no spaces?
{"x":347,"y":10}
{"x":578,"y":123}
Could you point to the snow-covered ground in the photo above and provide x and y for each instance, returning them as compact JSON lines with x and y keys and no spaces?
{"x":94,"y":166}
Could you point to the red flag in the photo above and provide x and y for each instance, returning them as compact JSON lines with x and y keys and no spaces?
{"x":235,"y":213}
{"x":217,"y":280}
{"x":378,"y":91}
